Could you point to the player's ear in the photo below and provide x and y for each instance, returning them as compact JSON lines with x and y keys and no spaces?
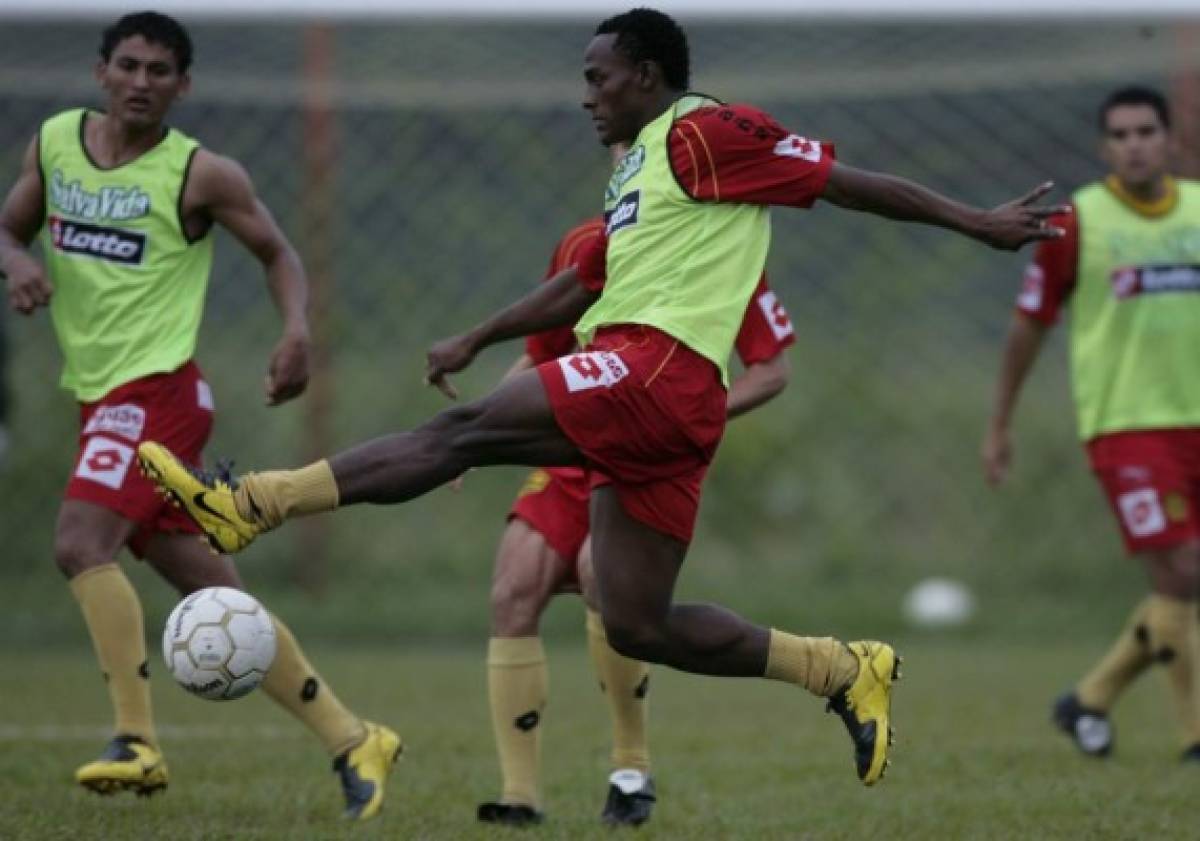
{"x":185,"y":85}
{"x":98,"y":71}
{"x":649,"y":74}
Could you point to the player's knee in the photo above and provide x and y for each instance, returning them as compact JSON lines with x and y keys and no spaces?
{"x":634,"y":638}
{"x":74,"y":556}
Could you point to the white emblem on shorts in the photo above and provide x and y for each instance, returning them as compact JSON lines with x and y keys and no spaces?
{"x":204,"y":395}
{"x":594,"y":369}
{"x":1142,"y":512}
{"x":126,"y":420}
{"x":105,"y":461}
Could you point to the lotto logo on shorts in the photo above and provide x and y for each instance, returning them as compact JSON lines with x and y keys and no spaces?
{"x":125,"y":420}
{"x":112,"y":244}
{"x":595,"y":369}
{"x":105,"y":461}
{"x":1142,"y":512}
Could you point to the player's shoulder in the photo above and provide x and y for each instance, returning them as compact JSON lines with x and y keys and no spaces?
{"x":587,"y":228}
{"x":62,"y":125}
{"x":734,"y":118}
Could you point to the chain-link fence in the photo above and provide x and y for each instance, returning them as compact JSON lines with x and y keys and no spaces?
{"x":426,"y":169}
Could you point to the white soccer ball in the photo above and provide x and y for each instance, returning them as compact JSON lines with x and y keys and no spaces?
{"x":939,"y":603}
{"x":219,"y":643}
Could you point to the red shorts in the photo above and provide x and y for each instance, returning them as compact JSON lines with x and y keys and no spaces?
{"x":554,"y":502}
{"x":1152,"y":479}
{"x":175,"y":409}
{"x":648,"y":413}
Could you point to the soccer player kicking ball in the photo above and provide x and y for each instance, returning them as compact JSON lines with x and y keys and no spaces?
{"x":545,"y":551}
{"x":127,"y":205}
{"x":658,"y":301}
{"x":1129,"y":267}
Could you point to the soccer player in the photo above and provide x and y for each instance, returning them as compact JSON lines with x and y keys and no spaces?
{"x":127,"y":205}
{"x":544,"y":551}
{"x":658,"y":300}
{"x":1129,"y":269}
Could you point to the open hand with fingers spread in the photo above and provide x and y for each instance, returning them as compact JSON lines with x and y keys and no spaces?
{"x":1013,"y":224}
{"x":448,"y":357}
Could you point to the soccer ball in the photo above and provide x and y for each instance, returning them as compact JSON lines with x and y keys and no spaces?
{"x":219,"y":643}
{"x":939,"y":603}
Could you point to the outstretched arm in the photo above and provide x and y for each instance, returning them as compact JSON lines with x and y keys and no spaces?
{"x":1021,"y":349}
{"x":221,"y":189}
{"x":555,"y":303}
{"x":20,"y":217}
{"x":1007,"y":227}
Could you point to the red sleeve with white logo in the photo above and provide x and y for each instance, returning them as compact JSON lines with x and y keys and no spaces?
{"x":551,"y":344}
{"x":766,"y":329}
{"x":1050,"y":278}
{"x":736,"y":153}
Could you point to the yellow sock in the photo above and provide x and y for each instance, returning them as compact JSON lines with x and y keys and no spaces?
{"x":1173,"y":639}
{"x":274,"y":496}
{"x":625,"y":684}
{"x":1128,"y":658}
{"x":295,"y":685}
{"x":517,"y":687}
{"x":822,"y":665}
{"x":113,"y":615}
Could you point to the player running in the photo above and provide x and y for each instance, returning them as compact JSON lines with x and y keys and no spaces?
{"x":126,"y":205}
{"x":545,"y":551}
{"x":1129,"y":268}
{"x":658,"y":302}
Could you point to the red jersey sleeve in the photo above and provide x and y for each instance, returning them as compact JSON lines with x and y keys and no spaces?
{"x":592,"y":264}
{"x":1050,"y":279}
{"x":736,"y":153}
{"x":766,"y":329}
{"x":551,"y":344}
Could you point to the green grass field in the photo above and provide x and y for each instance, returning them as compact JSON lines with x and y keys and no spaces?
{"x":749,"y":760}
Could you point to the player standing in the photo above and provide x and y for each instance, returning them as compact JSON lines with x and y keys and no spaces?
{"x":127,"y":205}
{"x":544,"y":551}
{"x":1129,"y":268}
{"x":658,"y":303}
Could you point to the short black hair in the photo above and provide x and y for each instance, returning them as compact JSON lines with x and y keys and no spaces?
{"x":154,"y":27}
{"x":1136,"y":95}
{"x":649,"y":35}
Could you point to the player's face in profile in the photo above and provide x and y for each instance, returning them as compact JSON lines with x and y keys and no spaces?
{"x":1135,"y":144}
{"x":612,"y":94}
{"x":141,"y":79}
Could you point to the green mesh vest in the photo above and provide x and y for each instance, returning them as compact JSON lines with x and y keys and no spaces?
{"x":128,"y":286}
{"x":1135,"y":314}
{"x":683,"y":266}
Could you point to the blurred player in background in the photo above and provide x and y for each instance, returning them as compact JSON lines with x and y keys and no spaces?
{"x":127,"y":207}
{"x":658,"y":299}
{"x":1129,"y":268}
{"x":545,"y":551}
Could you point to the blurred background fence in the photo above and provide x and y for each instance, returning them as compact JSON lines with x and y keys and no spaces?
{"x":426,"y":169}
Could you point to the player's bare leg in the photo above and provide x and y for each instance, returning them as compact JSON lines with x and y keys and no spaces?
{"x":625,"y":682}
{"x":635,"y":565}
{"x":636,"y":568}
{"x":363,"y":753}
{"x":527,"y":574}
{"x":87,"y":539}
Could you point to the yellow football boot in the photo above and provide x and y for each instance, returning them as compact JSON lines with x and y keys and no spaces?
{"x":363,"y":771}
{"x":127,"y":764}
{"x":865,"y":707}
{"x":205,"y":497}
